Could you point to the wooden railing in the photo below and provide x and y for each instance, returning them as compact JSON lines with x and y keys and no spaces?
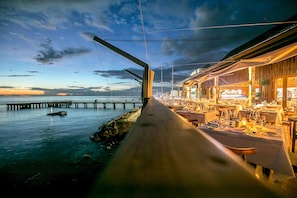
{"x":165,"y":156}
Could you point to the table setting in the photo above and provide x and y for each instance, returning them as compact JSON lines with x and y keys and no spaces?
{"x":269,"y":141}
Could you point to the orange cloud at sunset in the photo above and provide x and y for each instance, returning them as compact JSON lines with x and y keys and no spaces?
{"x":62,"y":94}
{"x":9,"y":92}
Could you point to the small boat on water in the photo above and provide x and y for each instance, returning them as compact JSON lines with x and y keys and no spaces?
{"x":60,"y":113}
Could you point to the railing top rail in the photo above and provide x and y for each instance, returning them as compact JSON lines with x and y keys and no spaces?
{"x":165,"y":156}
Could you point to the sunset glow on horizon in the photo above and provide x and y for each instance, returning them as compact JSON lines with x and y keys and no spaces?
{"x":11,"y":92}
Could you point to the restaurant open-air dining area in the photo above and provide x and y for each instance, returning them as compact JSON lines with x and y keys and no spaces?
{"x":248,"y":102}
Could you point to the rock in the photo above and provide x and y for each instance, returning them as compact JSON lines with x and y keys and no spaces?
{"x":115,"y":130}
{"x":60,"y":113}
{"x":87,"y":156}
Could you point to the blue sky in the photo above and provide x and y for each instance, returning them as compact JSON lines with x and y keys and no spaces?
{"x":46,"y":46}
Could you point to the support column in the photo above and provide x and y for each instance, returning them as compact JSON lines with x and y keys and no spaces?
{"x":187,"y":90}
{"x":216,"y":90}
{"x":198,"y":93}
{"x":250,"y":73}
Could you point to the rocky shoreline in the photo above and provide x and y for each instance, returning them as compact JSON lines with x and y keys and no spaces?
{"x":111,"y":133}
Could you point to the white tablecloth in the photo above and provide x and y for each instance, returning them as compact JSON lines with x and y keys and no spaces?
{"x":202,"y":117}
{"x":271,"y":150}
{"x":235,"y":108}
{"x":271,"y":116}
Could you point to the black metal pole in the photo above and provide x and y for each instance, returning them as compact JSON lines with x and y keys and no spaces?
{"x":145,"y":84}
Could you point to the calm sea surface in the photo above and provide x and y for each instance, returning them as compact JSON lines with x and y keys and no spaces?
{"x":30,"y":135}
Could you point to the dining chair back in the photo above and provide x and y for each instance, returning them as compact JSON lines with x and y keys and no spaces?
{"x":243,"y":151}
{"x":270,"y":117}
{"x":293,"y":131}
{"x":222,"y":110}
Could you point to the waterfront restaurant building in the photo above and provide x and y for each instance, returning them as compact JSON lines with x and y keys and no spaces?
{"x":263,"y":69}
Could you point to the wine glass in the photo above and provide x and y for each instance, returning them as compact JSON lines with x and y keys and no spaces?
{"x":252,"y":118}
{"x":221,"y":121}
{"x":263,"y":119}
{"x":227,"y":118}
{"x":259,"y":126}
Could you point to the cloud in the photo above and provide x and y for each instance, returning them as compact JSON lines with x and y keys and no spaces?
{"x":48,"y":55}
{"x":120,"y":74}
{"x":33,"y":72}
{"x":6,"y":87}
{"x":97,"y":20}
{"x":208,"y":45}
{"x":88,"y":36}
{"x":16,"y":75}
{"x":56,"y":14}
{"x":23,"y":37}
{"x":90,"y":91}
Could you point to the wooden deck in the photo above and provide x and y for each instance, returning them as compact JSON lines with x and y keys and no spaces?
{"x":165,"y":156}
{"x":290,"y":186}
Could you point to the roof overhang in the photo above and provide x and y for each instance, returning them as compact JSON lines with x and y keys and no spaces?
{"x":274,"y":49}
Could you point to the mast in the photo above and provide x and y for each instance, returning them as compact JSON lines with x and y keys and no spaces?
{"x":172,"y":80}
{"x":161,"y":80}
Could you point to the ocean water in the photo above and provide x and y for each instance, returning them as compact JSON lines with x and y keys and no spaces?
{"x":33,"y":144}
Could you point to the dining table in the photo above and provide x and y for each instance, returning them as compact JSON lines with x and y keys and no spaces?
{"x":271,"y":146}
{"x":202,"y":116}
{"x":271,"y":116}
{"x":234,"y":108}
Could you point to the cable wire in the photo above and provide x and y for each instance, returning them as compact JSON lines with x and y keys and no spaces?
{"x":100,"y":63}
{"x":143,"y":30}
{"x":224,"y":26}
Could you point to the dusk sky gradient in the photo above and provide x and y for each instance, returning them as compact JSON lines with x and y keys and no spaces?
{"x":46,"y":46}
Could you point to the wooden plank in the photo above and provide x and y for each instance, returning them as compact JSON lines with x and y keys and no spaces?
{"x":165,"y":156}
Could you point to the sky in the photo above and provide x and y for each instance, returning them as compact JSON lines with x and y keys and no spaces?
{"x":47,"y":46}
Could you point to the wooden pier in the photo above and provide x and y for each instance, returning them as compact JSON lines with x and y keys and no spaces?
{"x":67,"y":104}
{"x":38,"y":105}
{"x":104,"y":105}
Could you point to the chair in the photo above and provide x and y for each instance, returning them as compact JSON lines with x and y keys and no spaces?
{"x":243,"y":151}
{"x":288,"y":113}
{"x":232,"y":111}
{"x":195,"y":122}
{"x":222,"y":110}
{"x":269,"y":117}
{"x":293,"y":131}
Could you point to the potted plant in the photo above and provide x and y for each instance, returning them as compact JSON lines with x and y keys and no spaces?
{"x":263,"y":84}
